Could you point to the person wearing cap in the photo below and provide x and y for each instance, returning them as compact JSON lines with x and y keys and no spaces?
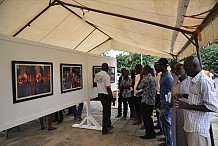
{"x":165,"y":111}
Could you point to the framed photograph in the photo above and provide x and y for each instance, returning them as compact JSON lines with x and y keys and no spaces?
{"x":95,"y":70}
{"x":31,"y":80}
{"x":111,"y":72}
{"x":71,"y":77}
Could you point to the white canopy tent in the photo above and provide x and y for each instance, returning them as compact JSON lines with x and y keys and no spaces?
{"x":151,"y":27}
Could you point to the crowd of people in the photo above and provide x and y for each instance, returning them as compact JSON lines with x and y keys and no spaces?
{"x":183,"y":99}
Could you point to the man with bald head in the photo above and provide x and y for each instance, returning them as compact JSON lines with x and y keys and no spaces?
{"x":202,"y":100}
{"x":105,"y":95}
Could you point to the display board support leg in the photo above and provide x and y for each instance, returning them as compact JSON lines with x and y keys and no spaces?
{"x":6,"y":131}
{"x":89,"y":122}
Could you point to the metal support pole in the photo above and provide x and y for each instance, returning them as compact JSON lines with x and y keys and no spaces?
{"x":197,"y":49}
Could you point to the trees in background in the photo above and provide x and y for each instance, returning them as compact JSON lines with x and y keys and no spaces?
{"x":129,"y":60}
{"x":209,"y":56}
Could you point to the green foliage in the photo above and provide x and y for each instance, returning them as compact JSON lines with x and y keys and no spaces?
{"x":129,"y":60}
{"x":209,"y":56}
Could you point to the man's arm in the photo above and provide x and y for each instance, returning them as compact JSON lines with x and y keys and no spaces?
{"x":185,"y":105}
{"x":110,"y":94}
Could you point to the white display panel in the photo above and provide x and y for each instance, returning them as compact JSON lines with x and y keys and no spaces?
{"x":23,"y":50}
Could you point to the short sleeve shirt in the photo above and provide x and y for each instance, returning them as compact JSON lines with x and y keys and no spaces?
{"x":201,"y":92}
{"x":103,"y":82}
{"x":149,"y":89}
{"x":165,"y":86}
{"x":126,"y":92}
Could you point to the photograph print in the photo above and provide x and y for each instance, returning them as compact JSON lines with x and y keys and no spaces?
{"x":95,"y":70}
{"x":71,"y":77}
{"x":111,"y":72}
{"x":31,"y":80}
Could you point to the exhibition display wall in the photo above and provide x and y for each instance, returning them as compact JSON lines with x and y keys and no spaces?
{"x":17,"y":56}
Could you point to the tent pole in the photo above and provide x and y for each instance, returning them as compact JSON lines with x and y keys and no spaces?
{"x":197,"y":49}
{"x":28,"y":24}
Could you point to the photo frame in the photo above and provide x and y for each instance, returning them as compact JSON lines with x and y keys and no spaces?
{"x":31,"y":80}
{"x":71,"y":77}
{"x":111,"y":72}
{"x":95,"y":70}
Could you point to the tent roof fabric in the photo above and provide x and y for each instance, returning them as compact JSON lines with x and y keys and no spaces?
{"x":94,"y":26}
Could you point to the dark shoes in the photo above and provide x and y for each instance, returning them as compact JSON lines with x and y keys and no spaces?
{"x":118,"y":116}
{"x":51,"y":128}
{"x":147,"y":137}
{"x":137,"y":123}
{"x":159,"y":133}
{"x":60,"y":121}
{"x":106,"y":132}
{"x":111,"y":127}
{"x":157,"y":127}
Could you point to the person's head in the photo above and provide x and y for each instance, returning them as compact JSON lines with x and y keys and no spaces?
{"x":132,"y":73}
{"x":138,"y":68}
{"x":38,"y":77}
{"x":122,"y":71}
{"x":180,"y":71}
{"x":146,"y":70}
{"x":192,"y":66}
{"x":172,"y":66}
{"x":161,"y":65}
{"x":125,"y":73}
{"x":151,"y":71}
{"x":105,"y":67}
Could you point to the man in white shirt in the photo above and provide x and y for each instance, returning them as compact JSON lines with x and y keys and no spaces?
{"x":137,"y":98}
{"x":182,"y":83}
{"x":105,"y":95}
{"x":202,"y":100}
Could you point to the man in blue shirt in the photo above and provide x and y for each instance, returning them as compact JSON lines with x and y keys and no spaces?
{"x":165,"y":112}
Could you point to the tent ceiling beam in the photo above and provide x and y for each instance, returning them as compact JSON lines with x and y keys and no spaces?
{"x":125,"y":17}
{"x":189,"y":38}
{"x":99,"y":45}
{"x":81,"y":18}
{"x":28,"y":24}
{"x":84,"y":39}
{"x":209,"y":18}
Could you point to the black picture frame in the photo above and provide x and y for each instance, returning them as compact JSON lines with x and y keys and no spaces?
{"x":95,"y":70}
{"x":71,"y":77}
{"x":111,"y":72}
{"x":31,"y":80}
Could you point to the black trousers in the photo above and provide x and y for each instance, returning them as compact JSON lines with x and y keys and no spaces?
{"x":157,"y":103}
{"x":60,"y":114}
{"x":120,"y":102}
{"x":137,"y":102}
{"x":146,"y":111}
{"x":125,"y":106}
{"x":106,"y":118}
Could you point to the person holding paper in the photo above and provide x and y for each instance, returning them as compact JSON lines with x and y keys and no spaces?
{"x":182,"y":83}
{"x":165,"y":111}
{"x":202,"y":100}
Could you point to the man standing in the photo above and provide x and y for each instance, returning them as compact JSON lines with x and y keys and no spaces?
{"x":120,"y":98}
{"x":137,"y":98}
{"x":105,"y":95}
{"x":148,"y":85}
{"x":165,"y":111}
{"x":182,"y":84}
{"x":202,"y":100}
